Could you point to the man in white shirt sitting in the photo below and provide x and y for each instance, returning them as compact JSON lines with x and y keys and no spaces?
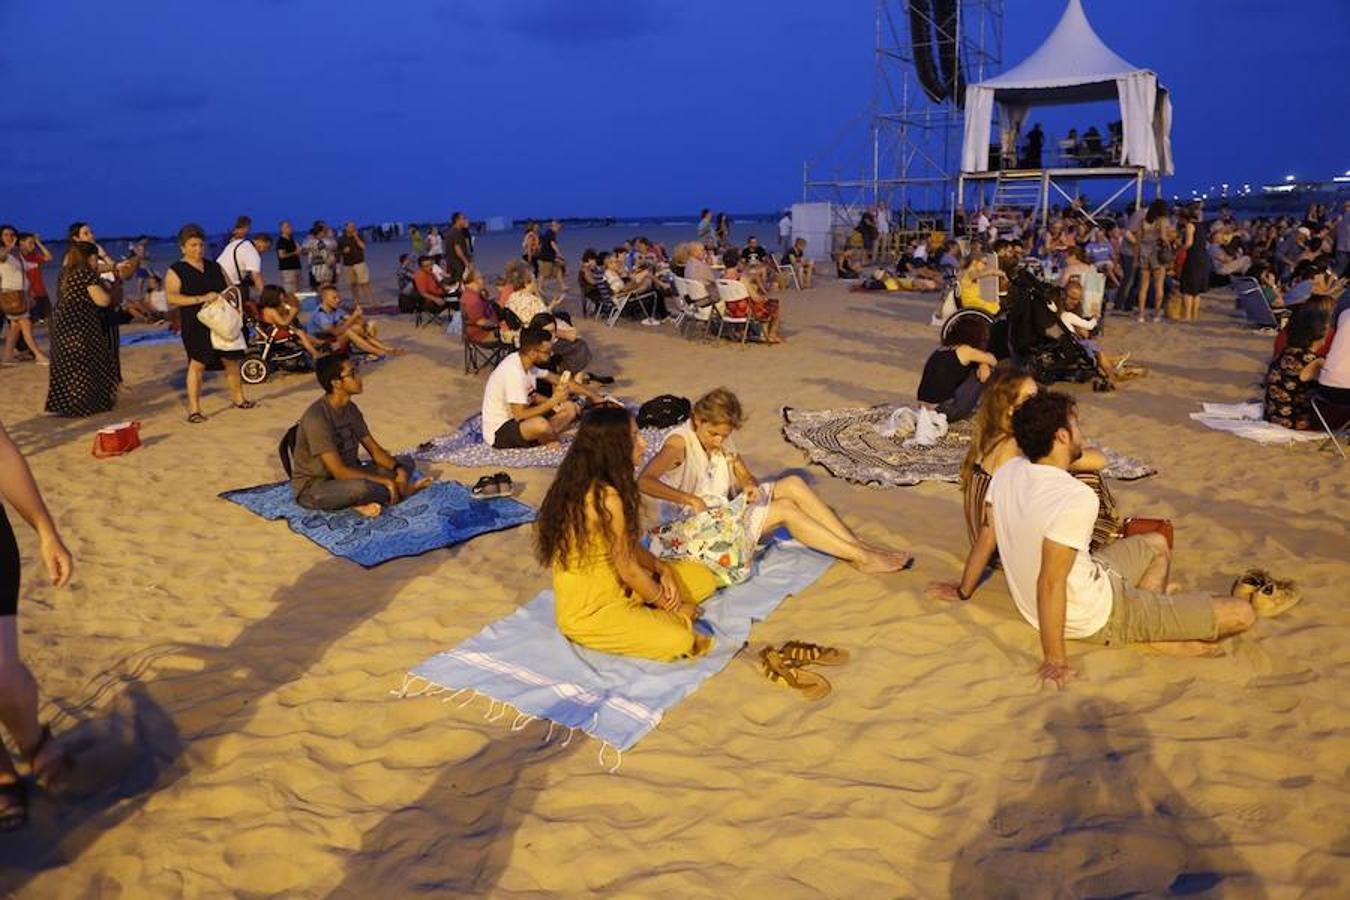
{"x":515,"y":414}
{"x":1042,"y":519}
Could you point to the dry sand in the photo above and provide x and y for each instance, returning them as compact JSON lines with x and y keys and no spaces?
{"x":229,"y":682}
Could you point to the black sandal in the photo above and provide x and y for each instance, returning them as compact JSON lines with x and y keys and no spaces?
{"x":485,"y":487}
{"x":13,"y":806}
{"x":196,"y":418}
{"x":504,"y":484}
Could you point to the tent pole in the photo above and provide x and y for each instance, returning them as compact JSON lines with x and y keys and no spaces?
{"x":1045,"y":197}
{"x":1139,"y":190}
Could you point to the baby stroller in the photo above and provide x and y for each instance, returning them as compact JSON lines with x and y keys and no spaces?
{"x":1038,"y":339}
{"x":270,"y":348}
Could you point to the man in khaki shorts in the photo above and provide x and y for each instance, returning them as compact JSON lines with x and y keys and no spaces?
{"x":352,"y":251}
{"x":1040,"y":518}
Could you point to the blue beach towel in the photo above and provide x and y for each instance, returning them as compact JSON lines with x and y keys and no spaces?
{"x":444,"y":514}
{"x":142,"y":338}
{"x":522,"y":660}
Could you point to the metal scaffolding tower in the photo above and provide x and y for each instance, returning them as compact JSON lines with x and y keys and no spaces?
{"x":908,"y":156}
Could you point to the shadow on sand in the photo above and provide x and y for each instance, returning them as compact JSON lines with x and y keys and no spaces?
{"x":1101,"y":820}
{"x":139,"y":742}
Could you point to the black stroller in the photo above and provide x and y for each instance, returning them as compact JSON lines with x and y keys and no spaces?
{"x":1037,"y":338}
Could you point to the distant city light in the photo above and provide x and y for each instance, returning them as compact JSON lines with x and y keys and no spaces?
{"x":1289,"y":178}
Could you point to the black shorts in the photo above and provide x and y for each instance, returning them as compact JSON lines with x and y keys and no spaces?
{"x":9,"y":568}
{"x":508,"y":437}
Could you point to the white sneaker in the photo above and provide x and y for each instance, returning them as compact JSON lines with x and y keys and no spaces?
{"x":651,"y":322}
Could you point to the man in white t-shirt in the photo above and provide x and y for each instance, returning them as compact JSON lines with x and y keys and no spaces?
{"x":242,"y":260}
{"x":515,"y":413}
{"x":1040,"y":518}
{"x":785,"y":232}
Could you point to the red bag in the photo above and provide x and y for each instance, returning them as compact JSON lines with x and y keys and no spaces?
{"x":116,"y":440}
{"x":1134,"y":526}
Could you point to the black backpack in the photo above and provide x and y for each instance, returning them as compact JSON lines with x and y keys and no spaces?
{"x":664,"y":411}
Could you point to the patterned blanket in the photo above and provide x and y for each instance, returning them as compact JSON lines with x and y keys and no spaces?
{"x":464,"y":447}
{"x":442,"y":515}
{"x":850,"y":443}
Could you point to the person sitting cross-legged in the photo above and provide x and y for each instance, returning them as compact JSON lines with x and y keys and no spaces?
{"x":1040,"y":519}
{"x":326,"y":470}
{"x":515,"y":414}
{"x":344,"y":330}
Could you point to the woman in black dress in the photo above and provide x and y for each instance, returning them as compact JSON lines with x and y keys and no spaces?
{"x":84,"y":372}
{"x":189,"y":283}
{"x":1195,"y":270}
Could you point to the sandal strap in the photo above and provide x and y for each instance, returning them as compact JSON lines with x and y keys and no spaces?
{"x":802,"y":651}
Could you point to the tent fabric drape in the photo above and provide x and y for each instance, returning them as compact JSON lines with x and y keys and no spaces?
{"x":979,"y":112}
{"x":1011,"y":117}
{"x":1138,"y":99}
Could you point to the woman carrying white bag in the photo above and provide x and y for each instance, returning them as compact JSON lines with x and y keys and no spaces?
{"x":212,"y":325}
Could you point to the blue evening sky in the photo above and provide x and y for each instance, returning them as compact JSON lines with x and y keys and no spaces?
{"x":143,"y":115}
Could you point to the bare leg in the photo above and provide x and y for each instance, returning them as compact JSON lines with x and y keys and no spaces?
{"x":1141,"y":301}
{"x":815,"y":535}
{"x":798,"y":491}
{"x":18,"y":693}
{"x":235,"y":382}
{"x":196,"y":371}
{"x":1155,"y":576}
{"x":1232,"y":615}
{"x":25,"y":326}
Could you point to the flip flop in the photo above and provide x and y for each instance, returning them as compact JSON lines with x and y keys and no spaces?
{"x":247,"y":404}
{"x":196,"y":419}
{"x":1275,"y":597}
{"x":486,"y":487}
{"x":802,"y":653}
{"x":778,"y":670}
{"x":1249,"y":582}
{"x":504,"y":484}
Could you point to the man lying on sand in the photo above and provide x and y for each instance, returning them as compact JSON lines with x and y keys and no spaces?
{"x":326,"y":470}
{"x":1042,"y":520}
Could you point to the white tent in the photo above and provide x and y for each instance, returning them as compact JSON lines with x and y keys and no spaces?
{"x":1072,"y":66}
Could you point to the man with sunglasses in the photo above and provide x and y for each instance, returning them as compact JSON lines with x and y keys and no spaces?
{"x":326,"y":470}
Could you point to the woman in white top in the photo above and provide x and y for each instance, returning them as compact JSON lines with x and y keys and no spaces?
{"x":1067,"y":302}
{"x":714,"y":510}
{"x":14,"y":284}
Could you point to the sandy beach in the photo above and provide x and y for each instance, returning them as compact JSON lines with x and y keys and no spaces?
{"x":228,"y":683}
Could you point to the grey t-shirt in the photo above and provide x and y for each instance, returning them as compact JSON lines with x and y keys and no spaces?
{"x":325,"y":429}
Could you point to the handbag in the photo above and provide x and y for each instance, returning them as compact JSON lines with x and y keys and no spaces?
{"x":116,"y":440}
{"x":224,"y":320}
{"x":1133,"y":526}
{"x":13,"y":303}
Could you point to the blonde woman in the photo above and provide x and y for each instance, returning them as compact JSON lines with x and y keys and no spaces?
{"x":716,"y":511}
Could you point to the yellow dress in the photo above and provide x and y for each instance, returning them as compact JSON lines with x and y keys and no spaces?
{"x":970,"y":296}
{"x":594,"y":609}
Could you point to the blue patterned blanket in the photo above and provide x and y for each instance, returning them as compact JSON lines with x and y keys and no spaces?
{"x":522,"y":660}
{"x":444,"y":514}
{"x":464,"y":447}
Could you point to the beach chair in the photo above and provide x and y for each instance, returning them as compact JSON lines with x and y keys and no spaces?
{"x":619,"y":302}
{"x":479,"y":356}
{"x":693,"y":303}
{"x":1256,"y":309}
{"x":1328,"y":412}
{"x":727,"y":292}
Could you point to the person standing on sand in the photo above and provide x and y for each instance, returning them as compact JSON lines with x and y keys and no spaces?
{"x":550,"y":257}
{"x":326,"y":469}
{"x":288,"y":258}
{"x":459,"y":248}
{"x":47,"y":762}
{"x":352,"y":252}
{"x":1040,"y":519}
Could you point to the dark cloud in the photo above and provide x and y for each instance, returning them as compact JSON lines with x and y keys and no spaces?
{"x":563,"y":22}
{"x":161,"y":100}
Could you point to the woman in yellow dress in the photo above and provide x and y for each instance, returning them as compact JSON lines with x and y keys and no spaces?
{"x":610,"y":593}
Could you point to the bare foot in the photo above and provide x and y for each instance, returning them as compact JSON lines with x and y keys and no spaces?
{"x":397,"y":351}
{"x":874,"y":563}
{"x":1187,"y":648}
{"x":1174,"y":587}
{"x":369,"y":510}
{"x":420,"y":485}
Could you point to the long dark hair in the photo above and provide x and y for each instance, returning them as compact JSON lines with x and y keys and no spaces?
{"x":600,"y":457}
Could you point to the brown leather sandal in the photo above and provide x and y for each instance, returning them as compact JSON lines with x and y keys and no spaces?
{"x":802,"y":653}
{"x":778,"y":670}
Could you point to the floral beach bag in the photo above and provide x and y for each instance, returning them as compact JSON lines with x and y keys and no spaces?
{"x":723,"y":538}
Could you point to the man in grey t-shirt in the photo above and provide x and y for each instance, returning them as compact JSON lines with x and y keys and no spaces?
{"x":326,"y":469}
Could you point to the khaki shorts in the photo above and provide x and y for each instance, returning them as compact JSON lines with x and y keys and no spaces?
{"x":358,"y":274}
{"x":1140,"y":616}
{"x":549,"y":268}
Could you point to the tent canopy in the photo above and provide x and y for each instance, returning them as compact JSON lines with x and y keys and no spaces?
{"x":1072,"y":66}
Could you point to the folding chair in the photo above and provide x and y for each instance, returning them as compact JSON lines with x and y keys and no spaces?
{"x":1328,"y":412}
{"x":791,"y":272}
{"x":620,"y":301}
{"x":480,"y":355}
{"x":1251,"y":299}
{"x":727,"y":292}
{"x":430,"y":314}
{"x":694,"y":303}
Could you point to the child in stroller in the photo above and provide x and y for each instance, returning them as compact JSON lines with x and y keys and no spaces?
{"x":275,"y":339}
{"x":1038,"y":339}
